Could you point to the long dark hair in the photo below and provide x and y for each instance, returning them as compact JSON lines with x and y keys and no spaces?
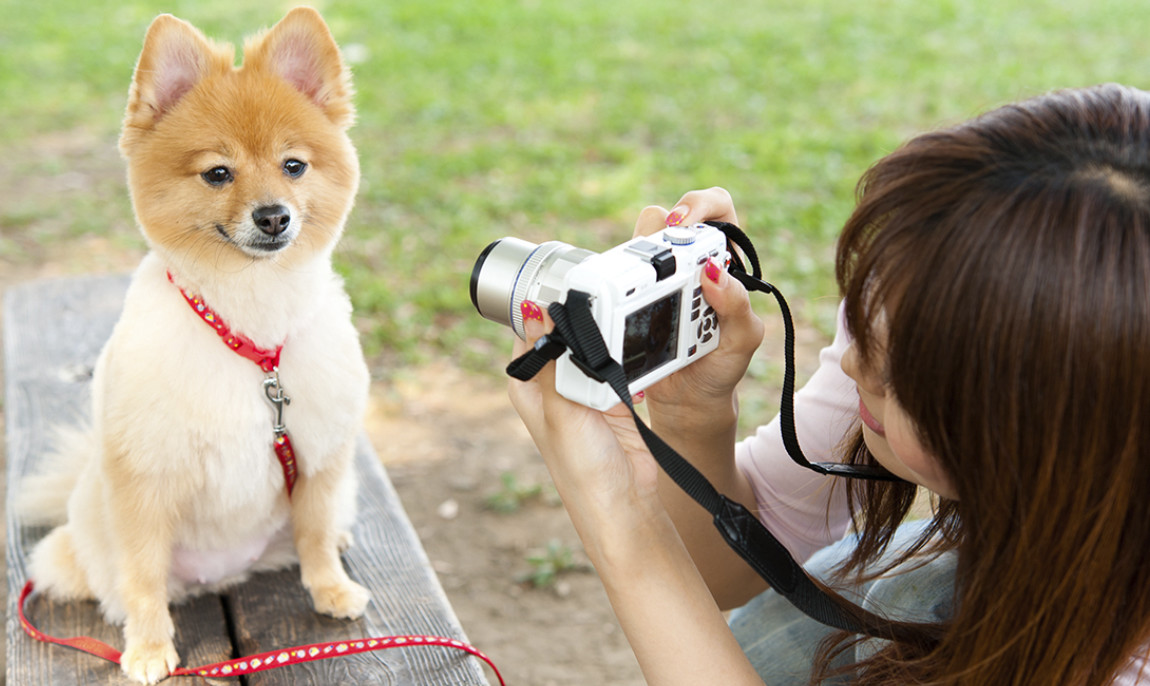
{"x":1011,"y":257}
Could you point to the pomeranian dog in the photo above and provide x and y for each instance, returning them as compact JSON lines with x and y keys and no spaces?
{"x":241,"y":180}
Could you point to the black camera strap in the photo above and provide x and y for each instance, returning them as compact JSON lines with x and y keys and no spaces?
{"x":576,"y":330}
{"x":753,"y":282}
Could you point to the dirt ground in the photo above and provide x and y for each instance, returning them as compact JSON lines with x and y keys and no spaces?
{"x":447,"y":438}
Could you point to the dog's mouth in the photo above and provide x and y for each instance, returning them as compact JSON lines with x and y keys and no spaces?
{"x":256,"y":243}
{"x":268,"y":245}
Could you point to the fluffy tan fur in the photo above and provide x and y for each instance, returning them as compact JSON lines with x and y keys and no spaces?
{"x":176,"y":489}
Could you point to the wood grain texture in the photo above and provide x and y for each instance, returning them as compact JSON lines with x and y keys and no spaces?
{"x":53,"y":332}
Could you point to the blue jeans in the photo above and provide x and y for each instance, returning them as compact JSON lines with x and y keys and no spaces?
{"x":781,"y":642}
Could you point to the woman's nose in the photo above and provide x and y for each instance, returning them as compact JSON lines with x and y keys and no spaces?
{"x":850,"y":363}
{"x":853,"y":367}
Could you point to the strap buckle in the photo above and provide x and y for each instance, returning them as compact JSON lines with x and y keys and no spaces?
{"x":546,"y":349}
{"x":278,"y":398}
{"x":599,"y":373}
{"x":550,"y":346}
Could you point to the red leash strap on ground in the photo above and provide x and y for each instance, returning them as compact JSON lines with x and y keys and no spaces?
{"x":264,"y":661}
{"x":84,"y":643}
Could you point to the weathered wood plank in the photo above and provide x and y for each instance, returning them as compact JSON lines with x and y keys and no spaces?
{"x":406,"y":599}
{"x":201,"y":638}
{"x":53,"y":333}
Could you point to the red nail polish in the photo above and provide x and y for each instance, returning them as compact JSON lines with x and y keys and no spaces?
{"x":674,"y":218}
{"x":530,"y":310}
{"x":712,"y":271}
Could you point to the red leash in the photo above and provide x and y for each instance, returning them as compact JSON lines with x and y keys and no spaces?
{"x":268,"y":361}
{"x":243,"y":346}
{"x":262,"y":662}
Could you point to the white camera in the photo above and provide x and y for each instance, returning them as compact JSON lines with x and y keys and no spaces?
{"x":646,"y":299}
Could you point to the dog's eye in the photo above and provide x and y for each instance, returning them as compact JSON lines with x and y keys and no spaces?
{"x":217,"y":176}
{"x":295,"y":168}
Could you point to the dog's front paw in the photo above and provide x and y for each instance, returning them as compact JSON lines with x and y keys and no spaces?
{"x":346,"y":600}
{"x":149,"y":661}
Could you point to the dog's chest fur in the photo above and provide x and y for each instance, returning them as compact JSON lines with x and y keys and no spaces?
{"x":206,"y":411}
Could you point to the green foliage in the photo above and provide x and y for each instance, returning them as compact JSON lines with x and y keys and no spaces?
{"x":512,"y":494}
{"x":547,"y":565}
{"x":562,"y":120}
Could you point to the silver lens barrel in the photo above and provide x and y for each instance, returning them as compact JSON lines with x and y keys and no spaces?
{"x":494,"y":276}
{"x":512,"y":270}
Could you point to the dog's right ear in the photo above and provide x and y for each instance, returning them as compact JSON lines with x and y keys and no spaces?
{"x":176,"y":56}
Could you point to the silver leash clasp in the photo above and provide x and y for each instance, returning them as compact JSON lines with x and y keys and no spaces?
{"x":278,"y":398}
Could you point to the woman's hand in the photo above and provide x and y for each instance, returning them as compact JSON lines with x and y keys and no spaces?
{"x":607,"y":478}
{"x":695,"y":410}
{"x":597,"y":460}
{"x":609,"y":484}
{"x":713,"y":378}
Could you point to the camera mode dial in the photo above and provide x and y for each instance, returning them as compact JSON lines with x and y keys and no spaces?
{"x":680,"y":235}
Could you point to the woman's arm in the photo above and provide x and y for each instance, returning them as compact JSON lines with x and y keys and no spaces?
{"x":671,"y":620}
{"x":657,"y":553}
{"x":608,"y":482}
{"x":696,"y":410}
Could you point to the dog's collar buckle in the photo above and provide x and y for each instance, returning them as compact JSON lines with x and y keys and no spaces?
{"x":277,"y":397}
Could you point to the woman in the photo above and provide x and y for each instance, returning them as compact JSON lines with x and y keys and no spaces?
{"x":996,"y":316}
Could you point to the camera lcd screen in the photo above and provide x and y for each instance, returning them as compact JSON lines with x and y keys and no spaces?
{"x":651,"y":336}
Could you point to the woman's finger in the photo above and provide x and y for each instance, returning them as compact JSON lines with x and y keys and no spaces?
{"x":653,"y":218}
{"x":712,"y":204}
{"x":741,"y":328}
{"x":527,"y":396}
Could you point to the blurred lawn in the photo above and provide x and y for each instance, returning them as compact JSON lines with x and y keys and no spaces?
{"x":562,"y":120}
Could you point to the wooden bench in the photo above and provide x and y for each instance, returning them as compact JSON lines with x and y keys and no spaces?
{"x":53,"y":331}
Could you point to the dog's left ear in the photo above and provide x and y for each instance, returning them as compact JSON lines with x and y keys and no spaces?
{"x":301,"y":50}
{"x":175,"y":58}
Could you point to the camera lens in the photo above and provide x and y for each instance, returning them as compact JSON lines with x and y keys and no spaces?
{"x":512,"y":270}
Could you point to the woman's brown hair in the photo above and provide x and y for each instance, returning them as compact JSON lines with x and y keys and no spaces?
{"x":1010,"y":257}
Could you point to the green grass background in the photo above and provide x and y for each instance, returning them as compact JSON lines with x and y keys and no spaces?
{"x":563,"y":119}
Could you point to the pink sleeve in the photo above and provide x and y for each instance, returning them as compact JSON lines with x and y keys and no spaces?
{"x":1137,"y":672}
{"x":805,"y":510}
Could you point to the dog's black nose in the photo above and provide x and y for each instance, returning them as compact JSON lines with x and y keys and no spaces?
{"x":271,"y":219}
